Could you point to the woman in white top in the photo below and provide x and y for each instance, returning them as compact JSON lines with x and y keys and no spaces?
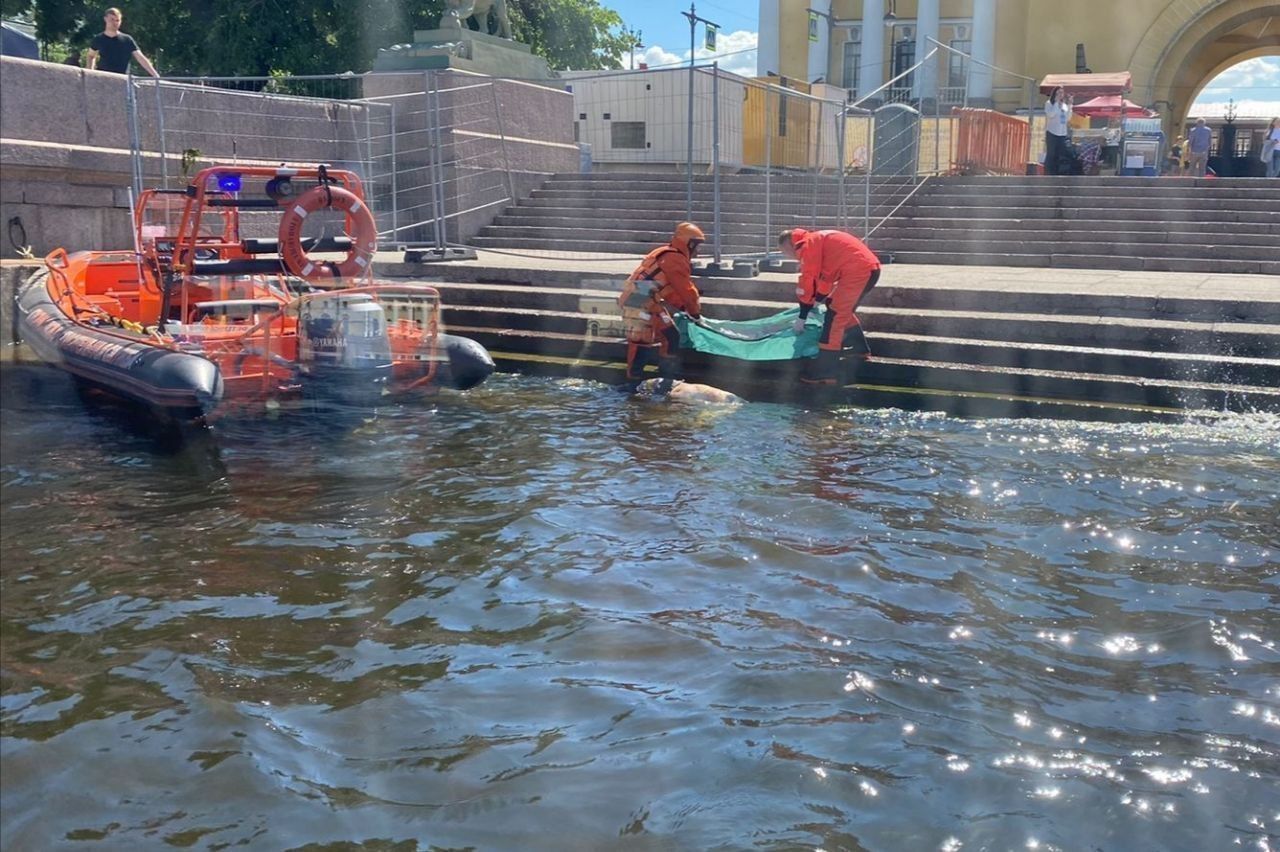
{"x":1057,"y":112}
{"x":1272,"y":142}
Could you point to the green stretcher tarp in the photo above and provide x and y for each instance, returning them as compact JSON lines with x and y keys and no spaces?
{"x":769,"y":338}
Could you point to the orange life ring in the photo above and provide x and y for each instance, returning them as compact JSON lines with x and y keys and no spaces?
{"x":363,"y":234}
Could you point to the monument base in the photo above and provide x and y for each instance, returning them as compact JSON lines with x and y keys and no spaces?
{"x":464,"y":50}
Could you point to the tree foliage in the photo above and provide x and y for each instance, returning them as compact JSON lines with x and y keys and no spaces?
{"x":262,"y":37}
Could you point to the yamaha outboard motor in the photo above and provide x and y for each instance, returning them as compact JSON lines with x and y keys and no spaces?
{"x":343,"y":347}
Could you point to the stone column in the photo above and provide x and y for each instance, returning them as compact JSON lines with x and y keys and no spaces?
{"x":925,"y":87}
{"x":768,"y":60}
{"x":984,"y":47}
{"x":871,"y":66}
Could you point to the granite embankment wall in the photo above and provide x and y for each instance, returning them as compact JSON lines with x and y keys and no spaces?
{"x":65,"y":141}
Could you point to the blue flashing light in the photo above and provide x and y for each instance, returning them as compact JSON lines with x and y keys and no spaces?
{"x":229,"y":182}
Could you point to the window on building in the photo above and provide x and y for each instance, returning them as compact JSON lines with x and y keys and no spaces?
{"x":852,"y":58}
{"x":904,"y":56}
{"x":957,"y":69}
{"x":627,"y":134}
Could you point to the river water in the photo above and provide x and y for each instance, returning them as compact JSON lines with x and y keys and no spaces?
{"x":542,"y":616}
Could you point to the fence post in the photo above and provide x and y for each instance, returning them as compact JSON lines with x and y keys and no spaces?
{"x":842,"y":210}
{"x":164,"y":153}
{"x":502,"y":139}
{"x":437,"y":172}
{"x":866,"y":182}
{"x":135,"y":141}
{"x":937,"y":130}
{"x":715,"y":153}
{"x":395,"y":199}
{"x":688,"y":187}
{"x":368,"y":143}
{"x":1031,"y":114}
{"x":768,"y":168}
{"x":816,"y":139}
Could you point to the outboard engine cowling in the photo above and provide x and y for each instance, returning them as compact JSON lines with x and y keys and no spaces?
{"x":343,"y":346}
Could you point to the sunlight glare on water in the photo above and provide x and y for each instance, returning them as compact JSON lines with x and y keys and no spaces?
{"x":543,"y":616}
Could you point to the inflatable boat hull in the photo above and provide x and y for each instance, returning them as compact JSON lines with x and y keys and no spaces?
{"x":179,"y":383}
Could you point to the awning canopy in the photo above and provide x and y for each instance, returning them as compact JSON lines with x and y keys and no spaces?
{"x":1088,"y":85}
{"x":1112,"y":106}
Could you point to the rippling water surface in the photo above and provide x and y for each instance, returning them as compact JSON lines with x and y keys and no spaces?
{"x":541,"y":616}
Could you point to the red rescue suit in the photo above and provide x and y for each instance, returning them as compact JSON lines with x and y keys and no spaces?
{"x":670,"y":275}
{"x":836,"y":269}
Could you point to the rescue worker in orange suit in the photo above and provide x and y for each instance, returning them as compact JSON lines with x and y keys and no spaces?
{"x":661,"y":285}
{"x":838,"y":270}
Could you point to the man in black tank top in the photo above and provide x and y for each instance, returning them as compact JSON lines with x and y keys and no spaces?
{"x":111,"y":49}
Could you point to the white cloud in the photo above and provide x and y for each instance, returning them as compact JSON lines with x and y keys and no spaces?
{"x":1254,"y":85}
{"x":1259,"y":72}
{"x":1246,"y":108}
{"x":736,"y":52}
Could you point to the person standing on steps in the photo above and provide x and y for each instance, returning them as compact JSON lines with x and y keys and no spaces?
{"x":661,"y":285}
{"x":1199,"y":139}
{"x":838,"y":270}
{"x":1057,"y":114}
{"x":1271,"y":148}
{"x":111,"y":50}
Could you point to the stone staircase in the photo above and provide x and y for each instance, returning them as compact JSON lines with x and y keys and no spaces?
{"x":987,"y":350}
{"x":1180,"y":224}
{"x":1172,"y":225}
{"x":630,"y":213}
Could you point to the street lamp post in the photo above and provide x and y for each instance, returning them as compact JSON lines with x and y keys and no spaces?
{"x":693,"y":17}
{"x":635,"y":37}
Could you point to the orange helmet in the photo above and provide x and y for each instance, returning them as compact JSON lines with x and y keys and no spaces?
{"x":687,"y":232}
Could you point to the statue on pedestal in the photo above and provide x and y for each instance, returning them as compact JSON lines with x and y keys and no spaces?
{"x":457,"y":11}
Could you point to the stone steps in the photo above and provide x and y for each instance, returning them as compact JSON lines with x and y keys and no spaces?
{"x":1087,"y":261}
{"x":1228,"y":226}
{"x":543,"y":307}
{"x":950,"y":231}
{"x":1184,"y":306}
{"x":974,"y":347}
{"x":905,"y":372}
{"x":660,"y":219}
{"x":924,"y":198}
{"x":578,"y":333}
{"x":1010,"y":253}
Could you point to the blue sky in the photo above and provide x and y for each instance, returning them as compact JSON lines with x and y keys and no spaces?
{"x":666,"y":32}
{"x":1254,"y":84}
{"x":663,"y":24}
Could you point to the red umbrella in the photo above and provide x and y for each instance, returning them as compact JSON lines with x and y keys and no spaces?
{"x":1110,"y":106}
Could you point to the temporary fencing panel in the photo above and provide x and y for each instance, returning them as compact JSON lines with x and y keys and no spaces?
{"x":989,"y":142}
{"x":444,"y":154}
{"x":179,"y":126}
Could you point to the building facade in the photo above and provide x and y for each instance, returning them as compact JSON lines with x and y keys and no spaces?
{"x":1173,"y":48}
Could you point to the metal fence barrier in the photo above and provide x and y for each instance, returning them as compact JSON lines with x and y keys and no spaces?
{"x":436,"y":149}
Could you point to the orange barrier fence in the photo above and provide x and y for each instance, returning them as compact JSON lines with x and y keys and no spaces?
{"x":989,"y":142}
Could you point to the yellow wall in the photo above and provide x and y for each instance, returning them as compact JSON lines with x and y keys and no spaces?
{"x":1171,"y":48}
{"x":793,"y":41}
{"x":762,"y":117}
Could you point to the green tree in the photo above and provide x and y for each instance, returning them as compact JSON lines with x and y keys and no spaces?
{"x":570,"y":34}
{"x":262,"y":37}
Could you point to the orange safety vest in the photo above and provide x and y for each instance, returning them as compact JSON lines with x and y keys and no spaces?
{"x":646,"y":310}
